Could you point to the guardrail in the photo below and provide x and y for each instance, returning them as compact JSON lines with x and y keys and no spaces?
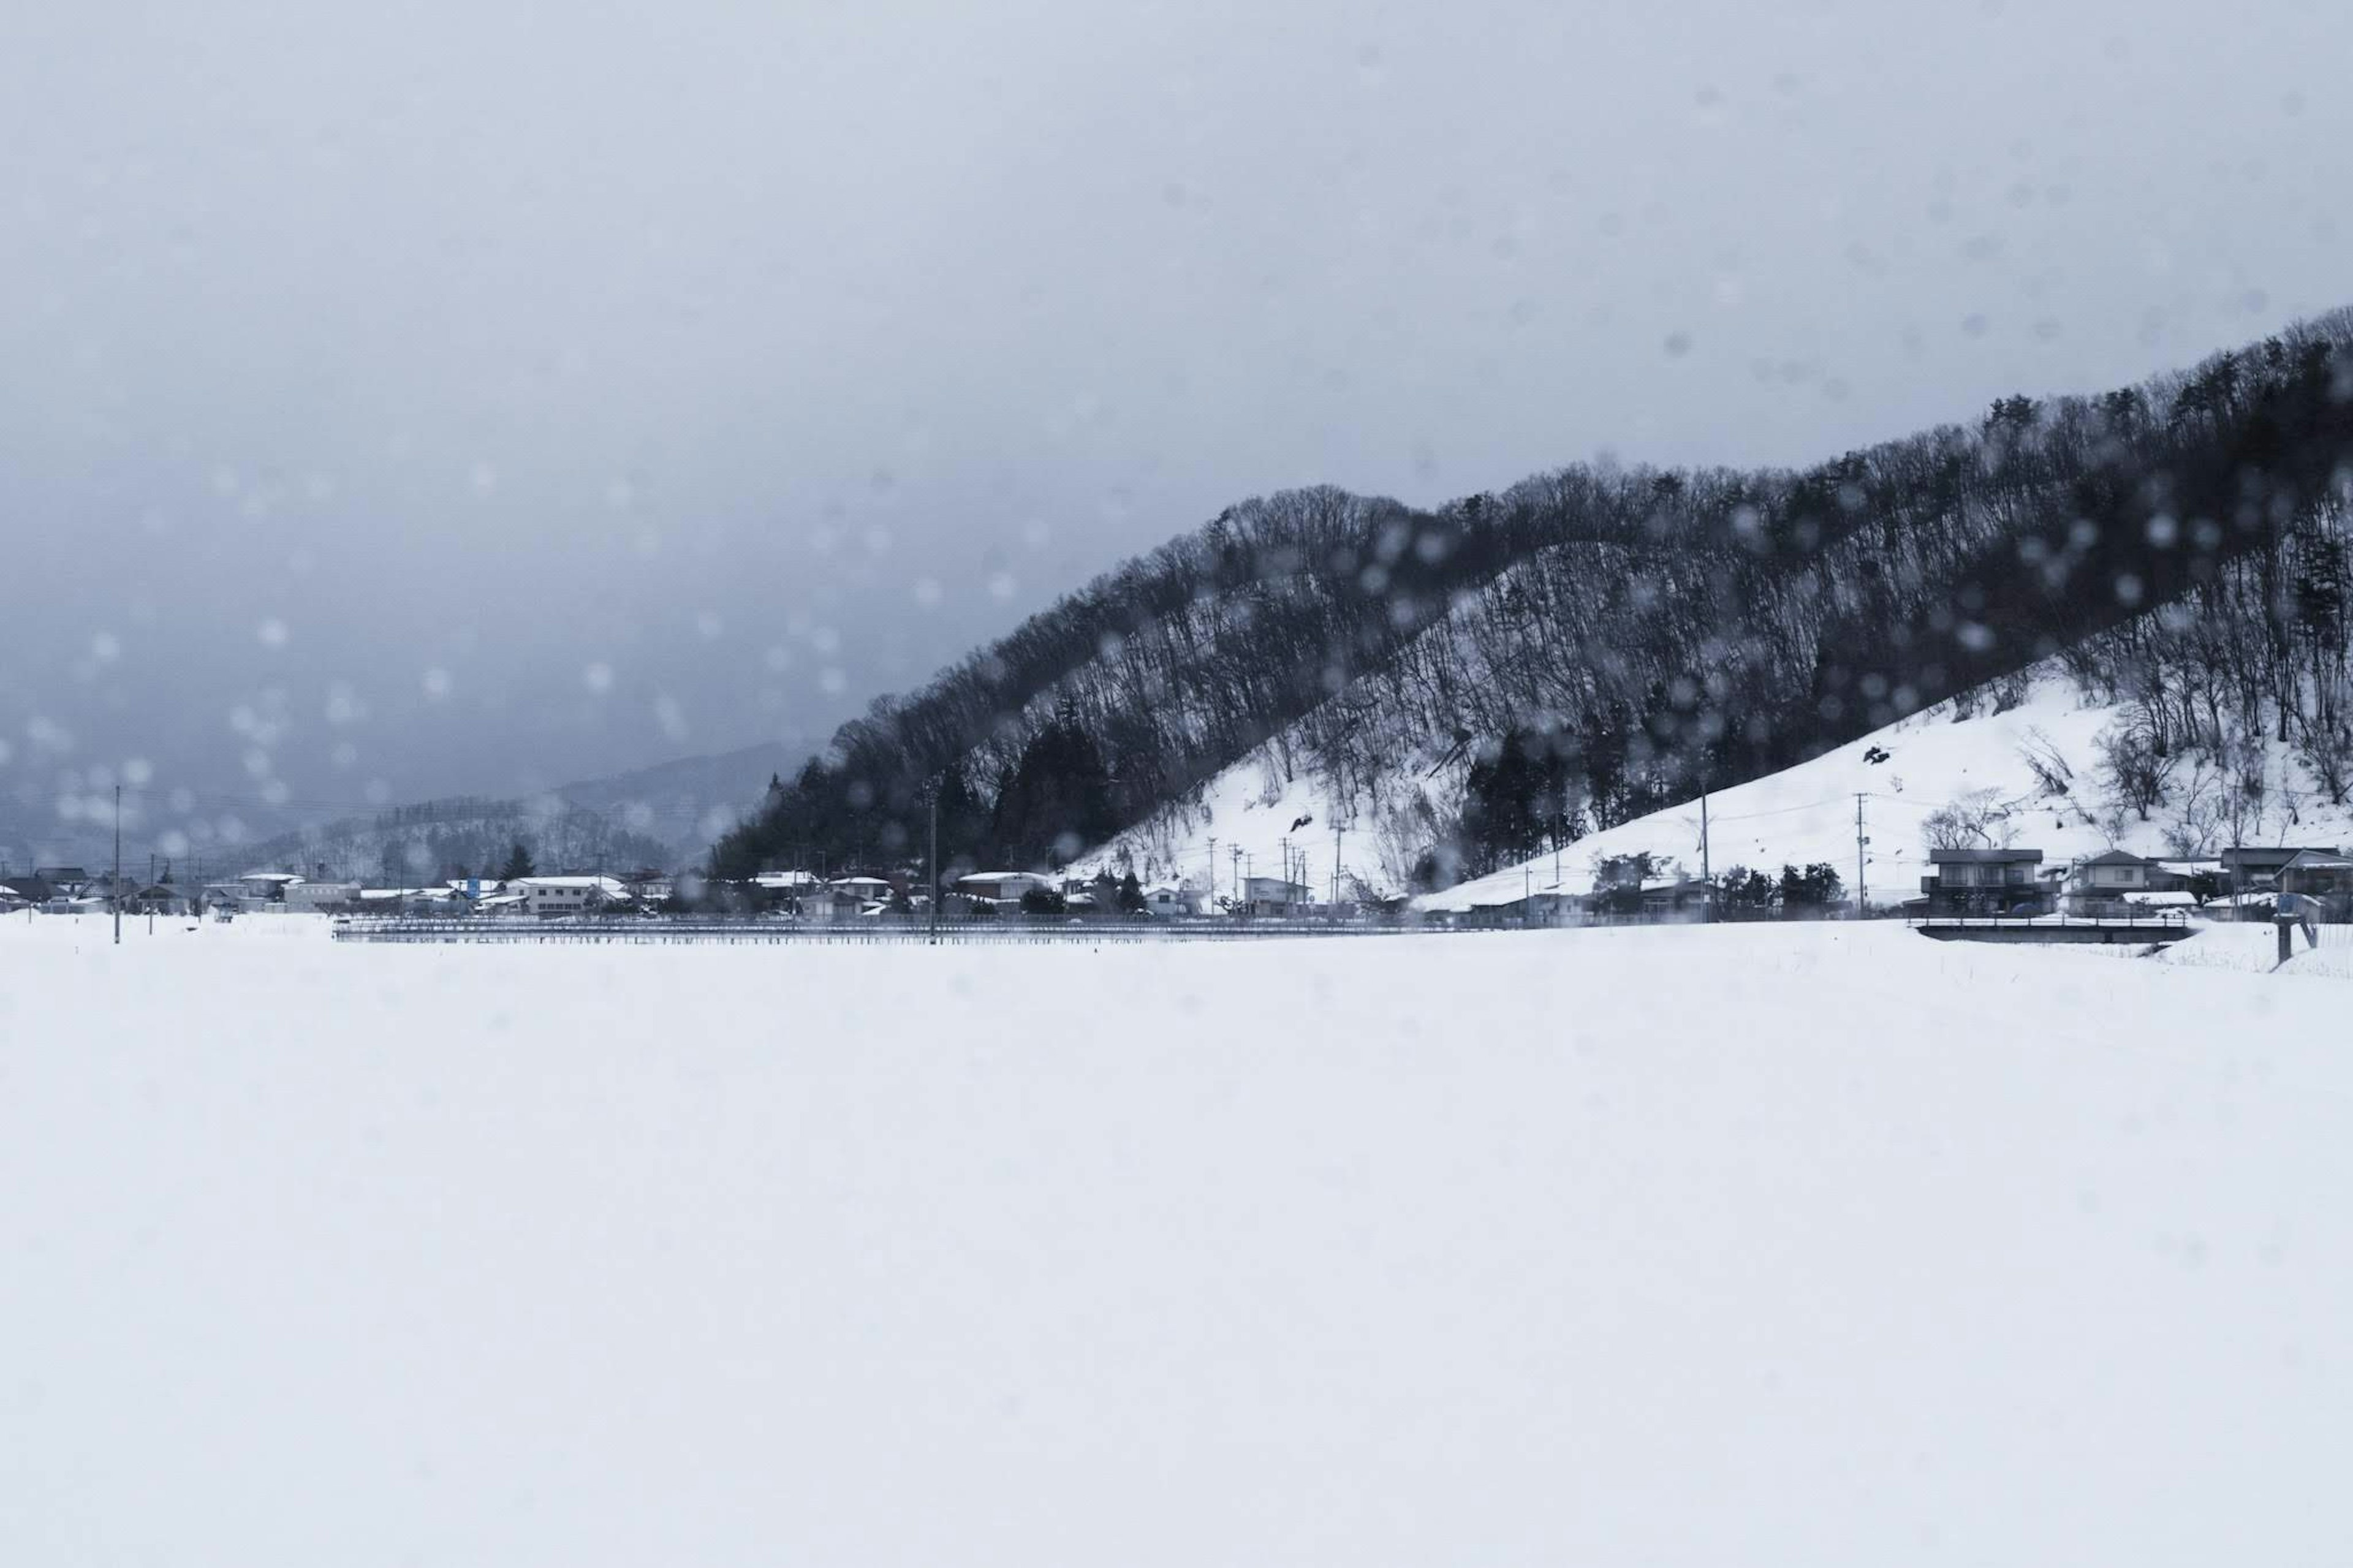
{"x":643,"y":932}
{"x":2172,"y":920}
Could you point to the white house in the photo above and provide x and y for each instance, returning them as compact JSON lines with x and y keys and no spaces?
{"x":552,"y":897}
{"x":1171,"y":900}
{"x":999,"y":886}
{"x":320,"y":898}
{"x":411,"y":901}
{"x":1274,"y":895}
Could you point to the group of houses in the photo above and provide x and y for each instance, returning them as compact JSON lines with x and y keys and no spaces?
{"x":981,"y":895}
{"x":2017,"y":882}
{"x":798,"y":893}
{"x":70,"y":889}
{"x":1964,"y":883}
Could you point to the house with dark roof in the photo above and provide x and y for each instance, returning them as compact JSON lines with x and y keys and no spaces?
{"x":29,"y":888}
{"x":2255,"y":869}
{"x":1984,"y":882}
{"x":2325,"y":877}
{"x":2106,"y":884}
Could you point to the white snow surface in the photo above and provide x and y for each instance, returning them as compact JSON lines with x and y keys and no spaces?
{"x":1807,"y":814}
{"x":1247,"y":819}
{"x":2253,"y":947}
{"x":1815,"y":1244}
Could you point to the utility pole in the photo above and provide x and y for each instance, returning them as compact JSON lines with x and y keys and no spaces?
{"x":1213,"y":873}
{"x":118,"y":865}
{"x":1860,"y":903}
{"x":1335,"y":868}
{"x":935,"y":864}
{"x":1706,"y":877}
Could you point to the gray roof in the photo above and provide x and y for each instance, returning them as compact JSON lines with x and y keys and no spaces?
{"x":2274,"y":854}
{"x":1984,"y":857}
{"x":2120,"y":858}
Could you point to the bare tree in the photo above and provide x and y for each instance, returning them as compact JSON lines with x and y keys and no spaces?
{"x":2198,"y":816}
{"x":2052,"y":772}
{"x":1977,"y":820}
{"x":2136,"y":765}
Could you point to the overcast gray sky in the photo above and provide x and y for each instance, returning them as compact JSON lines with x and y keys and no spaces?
{"x":471,"y":394}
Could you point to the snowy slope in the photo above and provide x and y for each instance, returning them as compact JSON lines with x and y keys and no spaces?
{"x":1683,"y":1247}
{"x":1250,"y":817}
{"x":1807,"y":813}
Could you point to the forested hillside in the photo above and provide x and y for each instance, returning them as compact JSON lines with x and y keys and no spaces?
{"x":416,"y":844}
{"x":1591,"y":643}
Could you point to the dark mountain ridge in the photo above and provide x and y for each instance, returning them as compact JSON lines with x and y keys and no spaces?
{"x":1636,"y":631}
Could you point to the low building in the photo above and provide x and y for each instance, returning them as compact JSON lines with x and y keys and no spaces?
{"x":31,"y":888}
{"x":2257,"y":868}
{"x":2324,"y":877}
{"x":2181,"y":876}
{"x":259,"y":888}
{"x":2110,"y":884}
{"x":1545,"y":907}
{"x":443,"y":900}
{"x":863,"y":891}
{"x":1981,"y":882}
{"x":1273,"y":896}
{"x":1677,"y":898}
{"x":163,"y":899}
{"x":554,"y":898}
{"x":1171,"y":900}
{"x":320,"y":897}
{"x":1000,"y":887}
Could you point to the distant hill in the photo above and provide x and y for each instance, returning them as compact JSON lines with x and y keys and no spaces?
{"x":1519,"y":668}
{"x":688,"y":803}
{"x":416,"y":844}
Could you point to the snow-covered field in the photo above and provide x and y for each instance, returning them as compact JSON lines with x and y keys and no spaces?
{"x":2253,"y":947}
{"x":1808,"y":1245}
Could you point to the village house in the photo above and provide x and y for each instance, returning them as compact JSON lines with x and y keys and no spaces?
{"x":1544,"y":907}
{"x":1984,"y":882}
{"x":2115,"y":883}
{"x":2114,"y":874}
{"x":320,"y":897}
{"x":999,"y":887}
{"x":256,"y":890}
{"x":161,"y":898}
{"x":2323,"y":876}
{"x":427,"y":901}
{"x":2256,"y":869}
{"x":1171,"y":900}
{"x":1274,"y":897}
{"x":29,"y":888}
{"x":553,"y":897}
